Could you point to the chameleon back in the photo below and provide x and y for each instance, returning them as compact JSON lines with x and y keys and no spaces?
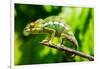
{"x":55,"y":23}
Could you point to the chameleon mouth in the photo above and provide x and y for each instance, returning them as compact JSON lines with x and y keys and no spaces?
{"x":26,"y":32}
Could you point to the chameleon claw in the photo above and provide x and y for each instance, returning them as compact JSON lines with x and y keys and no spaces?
{"x":50,"y":43}
{"x":45,"y":41}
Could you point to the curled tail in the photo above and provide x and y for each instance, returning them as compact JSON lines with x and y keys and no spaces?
{"x":72,"y":39}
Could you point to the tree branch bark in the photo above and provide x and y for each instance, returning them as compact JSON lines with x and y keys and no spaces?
{"x":66,"y":49}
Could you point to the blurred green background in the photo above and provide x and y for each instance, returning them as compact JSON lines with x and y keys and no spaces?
{"x":28,"y":50}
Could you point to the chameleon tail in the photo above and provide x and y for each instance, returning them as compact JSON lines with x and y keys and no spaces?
{"x":69,"y":56}
{"x":72,"y":40}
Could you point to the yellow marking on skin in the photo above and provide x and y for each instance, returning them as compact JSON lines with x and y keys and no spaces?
{"x":28,"y":30}
{"x":33,"y":29}
{"x":32,"y":24}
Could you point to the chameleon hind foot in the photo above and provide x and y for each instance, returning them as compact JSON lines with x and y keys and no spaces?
{"x":59,"y":44}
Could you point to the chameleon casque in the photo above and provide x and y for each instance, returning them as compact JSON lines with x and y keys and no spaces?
{"x":54,"y":26}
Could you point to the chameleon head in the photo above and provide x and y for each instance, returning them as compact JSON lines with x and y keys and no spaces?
{"x":33,"y":27}
{"x":28,"y":28}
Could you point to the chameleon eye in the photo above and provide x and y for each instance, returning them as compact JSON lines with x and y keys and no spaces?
{"x":31,"y":25}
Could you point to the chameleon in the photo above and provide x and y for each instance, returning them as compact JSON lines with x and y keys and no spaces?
{"x":53,"y":26}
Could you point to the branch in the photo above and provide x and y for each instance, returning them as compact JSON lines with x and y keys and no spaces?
{"x":66,"y":49}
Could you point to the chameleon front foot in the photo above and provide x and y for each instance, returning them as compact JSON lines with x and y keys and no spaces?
{"x":47,"y":41}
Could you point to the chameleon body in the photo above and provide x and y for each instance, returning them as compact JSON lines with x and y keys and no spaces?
{"x":54,"y":26}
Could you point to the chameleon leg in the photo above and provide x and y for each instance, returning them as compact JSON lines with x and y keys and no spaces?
{"x":60,"y":40}
{"x":51,"y":34}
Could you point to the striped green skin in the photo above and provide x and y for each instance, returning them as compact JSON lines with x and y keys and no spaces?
{"x":55,"y":26}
